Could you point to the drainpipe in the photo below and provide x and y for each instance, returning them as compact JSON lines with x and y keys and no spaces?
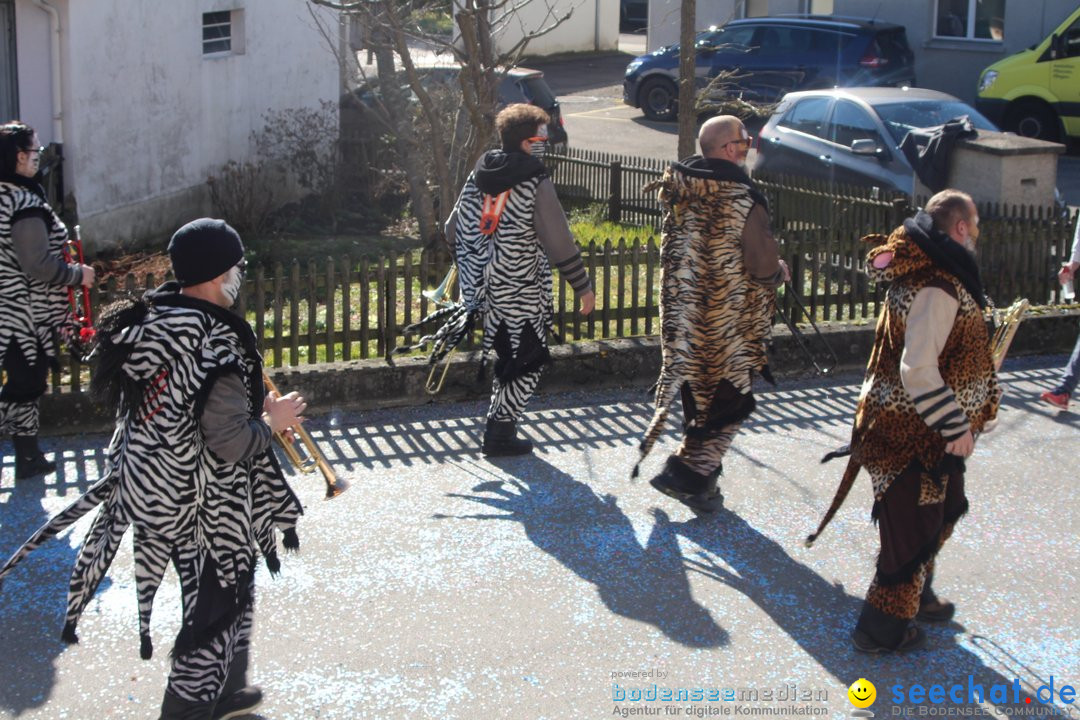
{"x":57,"y":97}
{"x":596,"y":24}
{"x":57,"y":88}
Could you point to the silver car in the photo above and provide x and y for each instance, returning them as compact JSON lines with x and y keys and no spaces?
{"x":852,"y":136}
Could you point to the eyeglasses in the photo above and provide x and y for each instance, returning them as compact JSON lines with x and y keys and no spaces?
{"x":37,"y":150}
{"x":745,"y":142}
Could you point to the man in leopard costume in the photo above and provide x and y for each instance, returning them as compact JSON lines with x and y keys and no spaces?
{"x":930,"y":388}
{"x":719,"y":267}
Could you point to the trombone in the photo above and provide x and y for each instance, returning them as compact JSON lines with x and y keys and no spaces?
{"x":439,"y":296}
{"x":1006,"y":331}
{"x":313,"y":458}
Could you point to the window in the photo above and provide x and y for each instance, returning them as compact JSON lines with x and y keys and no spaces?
{"x":223,"y":32}
{"x":9,"y":79}
{"x":819,"y":7}
{"x":1071,"y":40}
{"x":730,"y":39}
{"x":850,"y":123}
{"x":756,"y":8}
{"x":807,"y":117}
{"x":970,"y":19}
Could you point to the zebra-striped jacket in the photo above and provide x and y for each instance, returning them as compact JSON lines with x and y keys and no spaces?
{"x":30,"y":310}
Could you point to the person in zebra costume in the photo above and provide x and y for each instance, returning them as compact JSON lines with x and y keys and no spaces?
{"x":505,"y":232}
{"x":190,"y":467}
{"x":33,"y":297}
{"x":719,"y":267}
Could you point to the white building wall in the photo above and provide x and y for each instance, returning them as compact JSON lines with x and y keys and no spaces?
{"x":593,"y":25}
{"x":34,"y":68}
{"x":148,"y":118}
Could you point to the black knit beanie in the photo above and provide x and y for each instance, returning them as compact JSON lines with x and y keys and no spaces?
{"x":204,"y":249}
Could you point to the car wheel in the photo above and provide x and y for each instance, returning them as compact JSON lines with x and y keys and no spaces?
{"x":1035,"y":120}
{"x":658,"y":99}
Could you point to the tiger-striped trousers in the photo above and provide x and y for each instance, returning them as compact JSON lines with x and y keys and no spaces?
{"x":705,"y":453}
{"x":198,"y":676}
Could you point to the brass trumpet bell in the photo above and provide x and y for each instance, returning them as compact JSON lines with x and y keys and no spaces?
{"x":446,"y":289}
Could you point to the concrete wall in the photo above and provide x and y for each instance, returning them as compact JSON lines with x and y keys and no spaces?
{"x":593,"y":25}
{"x":147,"y":118}
{"x":366,"y":384}
{"x":949,"y":65}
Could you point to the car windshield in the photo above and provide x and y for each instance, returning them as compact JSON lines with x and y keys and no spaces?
{"x":899,"y":118}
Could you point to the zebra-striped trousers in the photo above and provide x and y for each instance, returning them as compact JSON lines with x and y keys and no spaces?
{"x":199,"y":675}
{"x":508,"y":400}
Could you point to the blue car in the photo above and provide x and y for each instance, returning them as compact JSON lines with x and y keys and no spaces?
{"x":772,"y":56}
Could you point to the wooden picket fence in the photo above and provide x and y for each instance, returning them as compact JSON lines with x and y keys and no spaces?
{"x":341,"y":309}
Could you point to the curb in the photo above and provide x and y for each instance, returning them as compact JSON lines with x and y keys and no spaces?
{"x":370,"y":384}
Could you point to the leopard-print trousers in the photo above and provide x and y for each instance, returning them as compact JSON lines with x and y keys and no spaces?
{"x":915,"y":518}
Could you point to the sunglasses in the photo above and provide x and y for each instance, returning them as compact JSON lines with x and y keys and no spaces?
{"x":37,"y":150}
{"x":745,"y":142}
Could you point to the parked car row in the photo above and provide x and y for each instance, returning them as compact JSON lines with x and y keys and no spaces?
{"x":845,"y":96}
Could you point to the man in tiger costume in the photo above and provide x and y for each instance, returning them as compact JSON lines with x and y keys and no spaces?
{"x":930,"y":388}
{"x":190,"y":468}
{"x":505,"y":232}
{"x":719,"y":267}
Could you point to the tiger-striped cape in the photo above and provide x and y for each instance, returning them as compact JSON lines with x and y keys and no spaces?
{"x":714,"y":321}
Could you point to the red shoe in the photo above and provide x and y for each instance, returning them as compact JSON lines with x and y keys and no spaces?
{"x":1058,"y":400}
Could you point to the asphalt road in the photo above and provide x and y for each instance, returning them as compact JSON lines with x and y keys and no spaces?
{"x":443,"y":585}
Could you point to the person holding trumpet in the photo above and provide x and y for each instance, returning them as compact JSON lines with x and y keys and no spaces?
{"x":190,"y":467}
{"x":33,"y":299}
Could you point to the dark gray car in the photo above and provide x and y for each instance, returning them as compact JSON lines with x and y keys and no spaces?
{"x":852,"y":136}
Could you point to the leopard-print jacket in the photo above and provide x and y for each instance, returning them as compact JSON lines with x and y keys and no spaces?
{"x":889,"y":433}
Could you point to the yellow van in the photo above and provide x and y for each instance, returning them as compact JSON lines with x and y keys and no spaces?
{"x":1037,"y":92}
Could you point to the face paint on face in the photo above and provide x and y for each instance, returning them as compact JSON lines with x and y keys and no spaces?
{"x":234,"y":281}
{"x":538,"y":144}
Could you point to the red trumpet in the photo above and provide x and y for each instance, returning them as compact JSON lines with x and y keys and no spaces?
{"x":82,"y":315}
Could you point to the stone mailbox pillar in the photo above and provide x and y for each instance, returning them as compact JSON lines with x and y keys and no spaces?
{"x":1003,"y":168}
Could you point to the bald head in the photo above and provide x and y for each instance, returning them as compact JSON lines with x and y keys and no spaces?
{"x":716,"y":132}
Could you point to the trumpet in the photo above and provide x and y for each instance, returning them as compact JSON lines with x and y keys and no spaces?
{"x":1006,"y":331}
{"x":81,"y":314}
{"x":312,"y":459}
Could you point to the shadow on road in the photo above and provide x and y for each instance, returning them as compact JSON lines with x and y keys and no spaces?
{"x":819,"y":616}
{"x":591,"y":536}
{"x":33,"y":597}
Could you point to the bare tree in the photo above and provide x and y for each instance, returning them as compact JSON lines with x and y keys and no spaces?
{"x":439,"y":151}
{"x":687,"y":78}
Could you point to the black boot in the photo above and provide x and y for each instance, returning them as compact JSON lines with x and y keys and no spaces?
{"x":237,"y":697}
{"x":173,"y":708}
{"x":698,"y":492}
{"x":500,"y":439}
{"x":29,"y":461}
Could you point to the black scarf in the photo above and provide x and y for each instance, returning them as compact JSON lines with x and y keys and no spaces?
{"x":717,"y":169}
{"x":32,"y":184}
{"x":946,"y":254}
{"x":498,"y":170}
